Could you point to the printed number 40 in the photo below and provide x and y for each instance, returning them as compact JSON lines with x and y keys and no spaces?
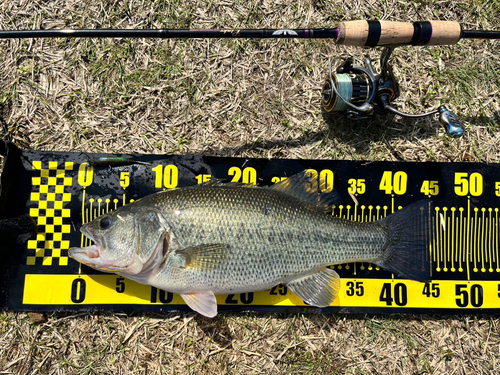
{"x":396,"y":293}
{"x":394,"y":183}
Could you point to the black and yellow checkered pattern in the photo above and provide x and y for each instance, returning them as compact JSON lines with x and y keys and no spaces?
{"x":49,"y":246}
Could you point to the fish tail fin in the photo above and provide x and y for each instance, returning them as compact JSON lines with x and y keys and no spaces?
{"x":407,"y":253}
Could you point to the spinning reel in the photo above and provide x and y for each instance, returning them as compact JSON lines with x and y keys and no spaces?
{"x":357,"y":90}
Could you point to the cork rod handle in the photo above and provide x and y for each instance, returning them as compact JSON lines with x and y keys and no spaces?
{"x":385,"y":33}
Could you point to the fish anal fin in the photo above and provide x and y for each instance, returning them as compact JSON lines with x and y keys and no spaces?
{"x":204,"y":303}
{"x":308,"y":186}
{"x":204,"y":257}
{"x":319,"y":289}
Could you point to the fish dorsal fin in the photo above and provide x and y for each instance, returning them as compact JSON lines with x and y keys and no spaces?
{"x":319,"y":289}
{"x":309,"y":187}
{"x":204,"y":303}
{"x":203,"y":257}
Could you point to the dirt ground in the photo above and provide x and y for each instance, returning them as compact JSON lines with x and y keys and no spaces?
{"x":242,"y":98}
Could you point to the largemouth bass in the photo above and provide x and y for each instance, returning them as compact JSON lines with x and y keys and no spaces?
{"x":226,"y":239}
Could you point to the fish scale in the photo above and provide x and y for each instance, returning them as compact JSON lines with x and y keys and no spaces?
{"x":227,"y":238}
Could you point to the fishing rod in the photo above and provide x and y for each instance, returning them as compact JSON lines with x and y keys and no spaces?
{"x":353,"y":89}
{"x":349,"y":33}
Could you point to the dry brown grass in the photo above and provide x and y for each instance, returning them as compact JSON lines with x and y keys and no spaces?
{"x":248,"y":344}
{"x":258,"y":98}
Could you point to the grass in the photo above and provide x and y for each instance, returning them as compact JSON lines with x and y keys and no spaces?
{"x":242,"y":98}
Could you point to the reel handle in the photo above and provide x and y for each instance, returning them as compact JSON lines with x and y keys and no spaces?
{"x":450,"y":122}
{"x":387,"y":33}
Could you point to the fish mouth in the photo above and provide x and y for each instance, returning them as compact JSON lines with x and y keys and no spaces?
{"x":86,"y":255}
{"x":91,"y":256}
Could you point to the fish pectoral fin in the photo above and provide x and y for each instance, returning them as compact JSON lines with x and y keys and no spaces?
{"x":203,"y":303}
{"x":204,"y":257}
{"x":319,"y":289}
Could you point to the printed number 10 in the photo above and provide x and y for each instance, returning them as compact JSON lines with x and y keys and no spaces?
{"x":168,"y":177}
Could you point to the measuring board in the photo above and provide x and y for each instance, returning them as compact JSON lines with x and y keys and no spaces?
{"x":63,"y":190}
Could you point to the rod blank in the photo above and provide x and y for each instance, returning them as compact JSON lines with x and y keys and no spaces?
{"x":172,"y":33}
{"x":349,"y":33}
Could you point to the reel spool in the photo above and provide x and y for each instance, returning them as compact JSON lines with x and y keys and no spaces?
{"x":351,"y":89}
{"x":354,"y":88}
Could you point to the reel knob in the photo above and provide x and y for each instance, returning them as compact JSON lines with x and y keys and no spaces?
{"x":450,"y":122}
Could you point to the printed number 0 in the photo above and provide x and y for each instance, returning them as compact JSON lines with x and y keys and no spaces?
{"x":78,"y":290}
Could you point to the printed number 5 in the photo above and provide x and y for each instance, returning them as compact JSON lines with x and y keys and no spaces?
{"x":120,"y":285}
{"x":124,"y":179}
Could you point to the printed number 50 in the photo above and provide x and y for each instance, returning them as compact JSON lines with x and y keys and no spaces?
{"x":465,"y":184}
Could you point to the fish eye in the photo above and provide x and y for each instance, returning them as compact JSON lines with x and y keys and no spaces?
{"x":104,"y":223}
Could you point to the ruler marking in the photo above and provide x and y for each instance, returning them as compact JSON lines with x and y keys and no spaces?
{"x":496,"y":240}
{"x":474,"y":243}
{"x":449,"y":248}
{"x":436,"y":242}
{"x":484,"y":250}
{"x":467,"y":264}
{"x":460,"y":240}
{"x":452,"y":240}
{"x":444,"y":234}
{"x":488,"y":246}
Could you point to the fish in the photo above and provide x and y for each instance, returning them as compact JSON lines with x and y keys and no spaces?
{"x":230,"y":238}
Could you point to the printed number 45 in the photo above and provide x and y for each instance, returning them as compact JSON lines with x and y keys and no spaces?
{"x":430,"y":187}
